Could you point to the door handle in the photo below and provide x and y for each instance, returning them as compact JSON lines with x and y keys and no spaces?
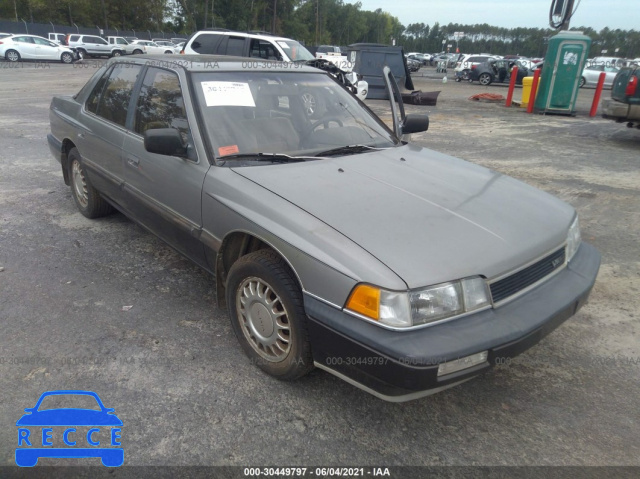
{"x":133,"y":162}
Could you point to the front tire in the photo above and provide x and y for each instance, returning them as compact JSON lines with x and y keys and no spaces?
{"x":12,"y":56}
{"x":267,"y":315}
{"x":66,"y":57}
{"x":86,"y":197}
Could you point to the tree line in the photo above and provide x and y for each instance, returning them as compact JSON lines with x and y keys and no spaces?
{"x":312,"y":22}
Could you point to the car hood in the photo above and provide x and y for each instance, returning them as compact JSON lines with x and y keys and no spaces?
{"x":427,"y":216}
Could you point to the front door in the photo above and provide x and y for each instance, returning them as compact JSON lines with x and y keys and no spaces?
{"x":164,"y":192}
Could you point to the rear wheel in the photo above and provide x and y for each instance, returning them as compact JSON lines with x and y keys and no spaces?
{"x":66,"y":57}
{"x":137,"y":51}
{"x":267,"y":315}
{"x":86,"y":197}
{"x":81,"y":53}
{"x":583,"y":81}
{"x":485,"y":79}
{"x":116,"y":53}
{"x":12,"y":56}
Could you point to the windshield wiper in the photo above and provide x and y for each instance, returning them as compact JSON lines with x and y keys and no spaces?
{"x":273,"y":157}
{"x":348,"y":149}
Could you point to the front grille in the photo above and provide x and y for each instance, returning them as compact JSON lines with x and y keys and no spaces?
{"x":524,"y":278}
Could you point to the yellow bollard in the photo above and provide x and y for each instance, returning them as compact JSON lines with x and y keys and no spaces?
{"x":526,"y":91}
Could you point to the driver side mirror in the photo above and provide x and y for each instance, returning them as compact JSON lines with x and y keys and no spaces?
{"x":415,"y":123}
{"x":165,"y":141}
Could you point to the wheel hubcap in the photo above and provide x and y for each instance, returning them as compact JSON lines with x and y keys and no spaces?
{"x":263,"y":319}
{"x":13,"y":56}
{"x":79,"y":184}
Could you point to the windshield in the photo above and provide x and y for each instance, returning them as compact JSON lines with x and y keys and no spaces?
{"x":295,"y":51}
{"x":292,"y":113}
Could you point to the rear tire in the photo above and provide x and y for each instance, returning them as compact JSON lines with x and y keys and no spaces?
{"x":267,"y":315}
{"x":485,"y":79}
{"x":82,"y":54}
{"x":116,"y":53}
{"x":583,"y":81}
{"x":86,"y":197}
{"x":12,"y":56}
{"x":137,"y":51}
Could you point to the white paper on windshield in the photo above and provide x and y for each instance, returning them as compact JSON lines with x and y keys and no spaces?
{"x":227,"y":93}
{"x":283,"y":44}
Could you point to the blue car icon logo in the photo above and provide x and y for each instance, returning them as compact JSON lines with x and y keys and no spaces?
{"x":96,"y":427}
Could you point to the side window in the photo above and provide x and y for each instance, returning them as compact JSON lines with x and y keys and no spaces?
{"x":114,"y":101}
{"x":74,"y":38}
{"x":206,"y":43}
{"x":264,"y":50}
{"x":41,"y":41}
{"x":235,"y":46}
{"x":160,"y":104}
{"x":24,"y":39}
{"x":94,"y":98}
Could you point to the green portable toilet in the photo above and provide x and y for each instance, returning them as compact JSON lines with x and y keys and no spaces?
{"x":563,"y":65}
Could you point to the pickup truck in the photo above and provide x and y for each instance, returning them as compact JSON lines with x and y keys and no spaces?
{"x":624,"y":104}
{"x":122,"y":43}
{"x":333,"y":54}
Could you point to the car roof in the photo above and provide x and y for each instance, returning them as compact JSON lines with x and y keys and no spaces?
{"x":202,"y":63}
{"x":264,"y":36}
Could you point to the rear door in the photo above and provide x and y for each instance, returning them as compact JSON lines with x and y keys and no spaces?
{"x":165,"y":192}
{"x":233,"y":45}
{"x":26,"y":47}
{"x":104,"y":117}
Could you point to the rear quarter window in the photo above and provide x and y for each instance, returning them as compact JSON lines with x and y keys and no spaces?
{"x":206,"y":43}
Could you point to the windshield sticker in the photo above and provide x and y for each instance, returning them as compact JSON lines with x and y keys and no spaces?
{"x":228,"y":150}
{"x":226,"y":93}
{"x":283,"y":44}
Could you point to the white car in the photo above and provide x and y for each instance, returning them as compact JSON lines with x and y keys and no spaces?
{"x":147,"y":46}
{"x":14,"y":48}
{"x":168,"y":44}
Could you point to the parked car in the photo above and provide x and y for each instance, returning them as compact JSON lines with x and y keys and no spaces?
{"x":92,"y":46}
{"x":14,"y":48}
{"x":624,"y":103}
{"x":468,"y":62}
{"x":591,"y":75}
{"x":413,"y":65}
{"x":334,"y":243}
{"x":168,"y":44}
{"x":420,"y":57}
{"x":57,"y":38}
{"x":178,"y":40}
{"x":125,"y":47}
{"x":269,"y":47}
{"x":147,"y":46}
{"x":2,"y":34}
{"x":333,"y":54}
{"x":130,"y":39}
{"x":266,"y":47}
{"x":497,"y":71}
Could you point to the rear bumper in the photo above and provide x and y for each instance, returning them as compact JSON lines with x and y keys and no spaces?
{"x":400,"y":366}
{"x":614,"y":109}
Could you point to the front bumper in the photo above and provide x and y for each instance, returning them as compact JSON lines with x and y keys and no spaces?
{"x":400,"y":366}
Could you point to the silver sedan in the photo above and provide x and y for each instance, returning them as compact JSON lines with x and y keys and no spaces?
{"x":591,"y":74}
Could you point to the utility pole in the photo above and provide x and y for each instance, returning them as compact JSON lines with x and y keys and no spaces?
{"x":569,"y":12}
{"x":275,"y":5}
{"x":317,"y":15}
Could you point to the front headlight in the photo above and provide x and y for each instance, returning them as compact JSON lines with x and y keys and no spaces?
{"x":421,"y":306}
{"x":573,"y":239}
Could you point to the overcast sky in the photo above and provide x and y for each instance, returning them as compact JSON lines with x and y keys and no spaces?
{"x":624,"y":14}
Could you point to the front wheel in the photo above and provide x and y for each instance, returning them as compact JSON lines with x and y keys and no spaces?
{"x":267,"y":315}
{"x":485,"y":79}
{"x":86,"y":197}
{"x":12,"y":56}
{"x":66,"y":57}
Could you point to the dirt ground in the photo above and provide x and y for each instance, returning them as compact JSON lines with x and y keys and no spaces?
{"x":174,"y":372}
